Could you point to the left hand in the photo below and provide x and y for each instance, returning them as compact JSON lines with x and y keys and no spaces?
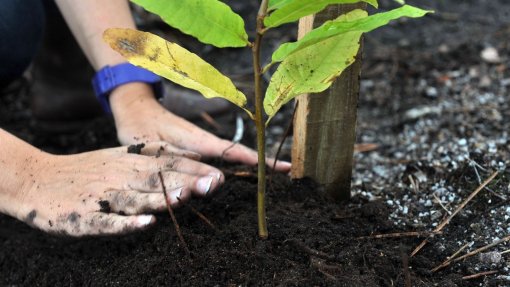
{"x":140,"y":118}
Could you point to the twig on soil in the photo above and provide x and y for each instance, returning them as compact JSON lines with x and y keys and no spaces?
{"x":474,"y":164}
{"x":244,"y":174}
{"x":453,"y":256}
{"x":502,"y":197}
{"x":285,"y":135}
{"x":405,"y":268}
{"x":477,"y":174}
{"x":172,"y":215}
{"x":477,"y":165}
{"x":365,"y":147}
{"x":323,"y":268}
{"x":309,"y":250}
{"x":414,"y":184}
{"x":478,"y":275}
{"x":441,"y":203}
{"x":474,"y":252}
{"x":208,"y":119}
{"x":461,"y":206}
{"x":402,"y":234}
{"x":240,"y":173}
{"x":199,"y":214}
{"x":329,"y":276}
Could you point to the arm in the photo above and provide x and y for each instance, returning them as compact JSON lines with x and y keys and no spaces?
{"x":88,"y":20}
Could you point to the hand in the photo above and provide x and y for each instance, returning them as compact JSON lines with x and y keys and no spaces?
{"x":108,"y":191}
{"x":140,"y":118}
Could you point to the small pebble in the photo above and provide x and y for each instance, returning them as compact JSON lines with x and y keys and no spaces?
{"x":490,"y":257}
{"x":490,"y":55}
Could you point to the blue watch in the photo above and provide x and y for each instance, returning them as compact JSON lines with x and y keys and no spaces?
{"x":110,"y":77}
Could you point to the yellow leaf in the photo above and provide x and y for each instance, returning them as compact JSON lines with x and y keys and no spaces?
{"x":174,"y":63}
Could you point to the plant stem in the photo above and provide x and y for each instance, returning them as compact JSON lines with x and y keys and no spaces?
{"x":259,"y":121}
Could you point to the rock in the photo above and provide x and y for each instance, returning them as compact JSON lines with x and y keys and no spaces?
{"x":443,"y":49}
{"x":431,"y":92}
{"x":490,"y":257}
{"x":485,"y":82}
{"x":419,"y":112}
{"x":490,"y":55}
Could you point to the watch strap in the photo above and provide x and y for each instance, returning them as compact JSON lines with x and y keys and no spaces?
{"x":111,"y":77}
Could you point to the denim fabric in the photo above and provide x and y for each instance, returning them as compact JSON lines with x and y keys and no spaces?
{"x":21,"y":31}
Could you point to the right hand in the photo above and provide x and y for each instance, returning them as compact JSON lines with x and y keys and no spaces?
{"x":109,"y":191}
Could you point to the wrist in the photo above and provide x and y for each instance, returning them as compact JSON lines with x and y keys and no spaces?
{"x":21,"y":166}
{"x":131,"y":99}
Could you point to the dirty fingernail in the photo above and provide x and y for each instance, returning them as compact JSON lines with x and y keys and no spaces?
{"x":204,"y":184}
{"x":144,"y":220}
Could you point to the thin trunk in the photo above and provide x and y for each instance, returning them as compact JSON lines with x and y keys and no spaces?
{"x":259,"y":121}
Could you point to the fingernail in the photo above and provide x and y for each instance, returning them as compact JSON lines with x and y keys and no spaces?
{"x":216,"y":175}
{"x":144,"y":220}
{"x":204,"y":184}
{"x":174,"y":195}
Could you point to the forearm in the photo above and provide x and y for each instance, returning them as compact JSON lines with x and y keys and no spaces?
{"x":19,"y":163}
{"x":89,"y":19}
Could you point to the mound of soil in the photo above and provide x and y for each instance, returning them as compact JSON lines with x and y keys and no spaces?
{"x":432,"y":102}
{"x":308,"y":237}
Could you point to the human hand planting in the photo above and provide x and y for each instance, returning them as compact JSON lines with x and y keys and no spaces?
{"x":140,"y":118}
{"x":107,"y":191}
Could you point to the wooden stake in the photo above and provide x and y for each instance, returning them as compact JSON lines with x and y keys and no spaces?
{"x":325,"y":123}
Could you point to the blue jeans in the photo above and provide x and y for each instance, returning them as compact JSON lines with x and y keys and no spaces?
{"x":21,"y":31}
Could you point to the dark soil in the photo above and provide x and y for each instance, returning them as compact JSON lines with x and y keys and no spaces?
{"x":438,"y":113}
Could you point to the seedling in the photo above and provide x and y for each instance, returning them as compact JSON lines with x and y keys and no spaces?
{"x":309,"y":65}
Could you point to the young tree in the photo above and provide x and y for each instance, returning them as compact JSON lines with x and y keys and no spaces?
{"x":307,"y":66}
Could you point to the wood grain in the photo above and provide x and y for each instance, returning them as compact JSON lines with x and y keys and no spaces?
{"x":325,"y":123}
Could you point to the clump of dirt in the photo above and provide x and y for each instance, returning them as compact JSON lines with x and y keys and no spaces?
{"x":135,"y":148}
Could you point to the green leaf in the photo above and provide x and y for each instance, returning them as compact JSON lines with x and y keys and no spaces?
{"x":277,"y":4}
{"x":210,"y":21}
{"x":288,"y":11}
{"x":311,"y":70}
{"x":173,"y":62}
{"x":355,"y":20}
{"x":311,"y":64}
